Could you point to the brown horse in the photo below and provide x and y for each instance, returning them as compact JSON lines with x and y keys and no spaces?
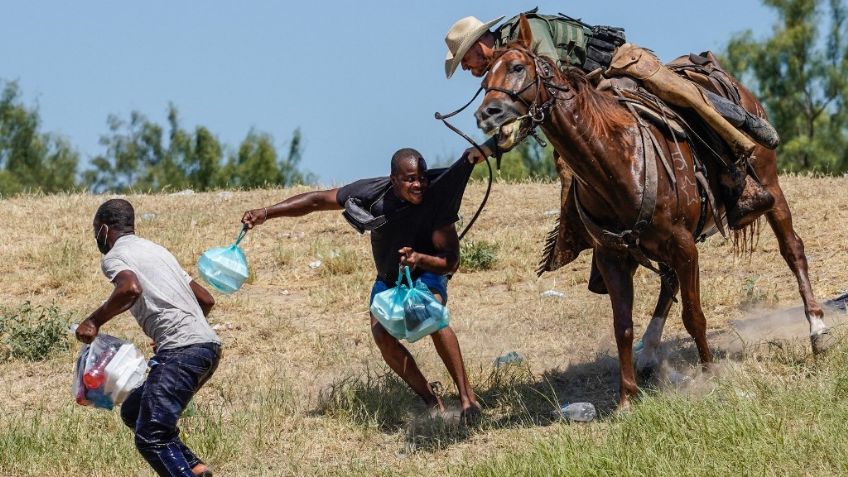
{"x":613,"y":157}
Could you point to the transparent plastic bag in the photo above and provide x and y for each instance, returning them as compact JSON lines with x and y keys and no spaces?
{"x":106,"y":371}
{"x":388,"y":308}
{"x":224,"y":268}
{"x":409,"y":310}
{"x":423,"y":314}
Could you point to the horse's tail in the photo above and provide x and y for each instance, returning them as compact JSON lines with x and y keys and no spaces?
{"x":745,"y":240}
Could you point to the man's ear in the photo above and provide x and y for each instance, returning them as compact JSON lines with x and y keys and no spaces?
{"x":525,"y":34}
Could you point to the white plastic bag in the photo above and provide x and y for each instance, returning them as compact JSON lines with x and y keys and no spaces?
{"x":107,"y":371}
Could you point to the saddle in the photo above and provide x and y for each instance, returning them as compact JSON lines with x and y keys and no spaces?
{"x":704,"y":70}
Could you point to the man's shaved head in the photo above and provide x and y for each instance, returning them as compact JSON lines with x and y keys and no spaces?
{"x":405,"y":154}
{"x":117,"y":214}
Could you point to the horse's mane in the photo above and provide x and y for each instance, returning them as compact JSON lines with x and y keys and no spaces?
{"x":599,"y":112}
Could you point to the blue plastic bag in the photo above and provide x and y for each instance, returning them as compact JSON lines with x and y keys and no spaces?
{"x":409,"y":310}
{"x":387,"y":307}
{"x":224,"y":268}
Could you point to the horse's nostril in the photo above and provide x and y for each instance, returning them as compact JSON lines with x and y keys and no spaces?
{"x":492,"y":111}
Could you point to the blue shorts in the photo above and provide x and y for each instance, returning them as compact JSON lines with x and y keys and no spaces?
{"x":436,"y":284}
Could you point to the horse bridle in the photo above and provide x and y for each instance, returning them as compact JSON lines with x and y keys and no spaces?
{"x":536,"y":112}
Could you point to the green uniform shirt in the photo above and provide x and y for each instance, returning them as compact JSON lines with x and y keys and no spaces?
{"x":555,"y":37}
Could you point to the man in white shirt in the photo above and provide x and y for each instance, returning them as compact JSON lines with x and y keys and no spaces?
{"x":171,"y":308}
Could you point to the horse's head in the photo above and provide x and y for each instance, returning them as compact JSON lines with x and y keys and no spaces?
{"x":515,"y":90}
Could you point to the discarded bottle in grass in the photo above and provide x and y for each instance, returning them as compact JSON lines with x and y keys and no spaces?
{"x":96,"y":376}
{"x":509,"y":358}
{"x":578,"y":411}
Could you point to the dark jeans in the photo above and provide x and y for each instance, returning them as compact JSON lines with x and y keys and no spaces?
{"x":153,"y":409}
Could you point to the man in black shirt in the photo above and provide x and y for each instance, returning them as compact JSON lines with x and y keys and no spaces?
{"x":411,"y":217}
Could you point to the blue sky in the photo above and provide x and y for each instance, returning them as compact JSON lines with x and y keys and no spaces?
{"x":361,"y":79}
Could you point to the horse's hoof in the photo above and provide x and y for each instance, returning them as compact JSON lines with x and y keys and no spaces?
{"x":822,"y":341}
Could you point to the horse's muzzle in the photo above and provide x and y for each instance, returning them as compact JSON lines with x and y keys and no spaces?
{"x":492,"y":114}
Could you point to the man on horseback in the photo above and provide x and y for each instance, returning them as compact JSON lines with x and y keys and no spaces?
{"x":602,"y":49}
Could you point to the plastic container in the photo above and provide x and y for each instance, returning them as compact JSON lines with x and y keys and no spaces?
{"x":224,"y":268}
{"x":578,"y":411}
{"x":124,"y":373}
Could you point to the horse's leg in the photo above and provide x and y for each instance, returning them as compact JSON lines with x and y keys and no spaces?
{"x":685,"y":263}
{"x":647,"y":359}
{"x":617,"y":271}
{"x":792,"y":250}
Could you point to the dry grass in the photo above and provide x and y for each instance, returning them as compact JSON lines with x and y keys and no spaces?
{"x":302,"y":389}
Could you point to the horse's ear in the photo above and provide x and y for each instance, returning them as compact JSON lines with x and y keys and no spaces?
{"x":525,"y":34}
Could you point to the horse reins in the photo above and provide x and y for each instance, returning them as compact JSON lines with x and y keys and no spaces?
{"x":497,"y":153}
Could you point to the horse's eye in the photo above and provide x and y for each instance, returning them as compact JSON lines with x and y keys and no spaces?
{"x":518,"y":68}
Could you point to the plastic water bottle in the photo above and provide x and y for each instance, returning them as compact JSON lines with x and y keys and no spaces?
{"x":416,"y":313}
{"x":96,"y":375}
{"x":578,"y":411}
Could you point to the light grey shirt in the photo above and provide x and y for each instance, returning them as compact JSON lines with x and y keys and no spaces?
{"x":167,"y":309}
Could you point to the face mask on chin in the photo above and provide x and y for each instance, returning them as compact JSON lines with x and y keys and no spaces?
{"x":102,"y":246}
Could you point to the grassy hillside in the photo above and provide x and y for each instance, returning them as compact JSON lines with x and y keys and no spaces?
{"x":302,"y":390}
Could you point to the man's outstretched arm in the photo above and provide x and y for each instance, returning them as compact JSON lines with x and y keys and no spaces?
{"x":294,"y":206}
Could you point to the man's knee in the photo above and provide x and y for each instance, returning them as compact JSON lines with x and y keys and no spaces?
{"x":153,"y":435}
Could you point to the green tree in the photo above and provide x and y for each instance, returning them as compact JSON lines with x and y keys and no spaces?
{"x":800,"y":73}
{"x":29,"y":159}
{"x":140,"y":156}
{"x":255,"y":163}
{"x":290,"y":172}
{"x":258,"y":164}
{"x":203,"y":165}
{"x":133,"y":152}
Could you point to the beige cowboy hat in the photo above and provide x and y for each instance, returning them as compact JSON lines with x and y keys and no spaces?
{"x":461,"y":37}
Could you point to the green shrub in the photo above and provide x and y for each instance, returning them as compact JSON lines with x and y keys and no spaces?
{"x":32,"y":332}
{"x":477,"y":255}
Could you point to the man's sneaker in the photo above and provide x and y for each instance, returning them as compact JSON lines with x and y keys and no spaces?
{"x":754,"y":201}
